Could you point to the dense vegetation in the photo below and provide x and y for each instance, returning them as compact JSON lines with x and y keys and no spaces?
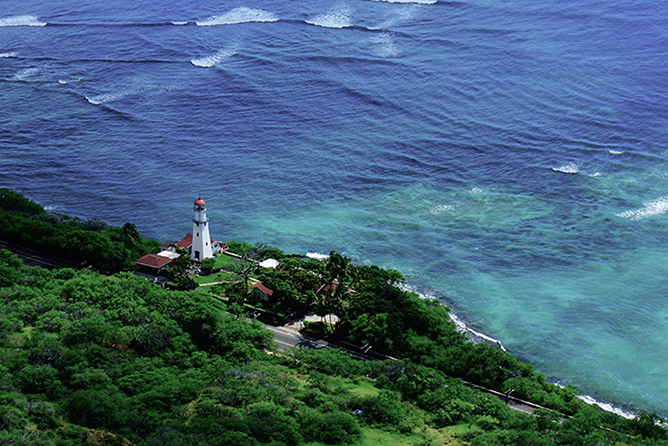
{"x":89,"y":242}
{"x":117,"y":360}
{"x":90,"y":359}
{"x":373,"y":311}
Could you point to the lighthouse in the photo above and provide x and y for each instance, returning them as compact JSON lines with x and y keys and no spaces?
{"x":201,"y":247}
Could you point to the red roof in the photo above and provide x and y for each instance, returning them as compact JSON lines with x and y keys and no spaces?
{"x":186,"y":242}
{"x":263,"y":288}
{"x":153,"y":261}
{"x":200,"y":202}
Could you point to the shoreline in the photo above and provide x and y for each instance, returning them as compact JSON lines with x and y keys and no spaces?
{"x":460,"y":320}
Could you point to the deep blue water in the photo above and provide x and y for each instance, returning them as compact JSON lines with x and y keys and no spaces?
{"x":511,"y":158}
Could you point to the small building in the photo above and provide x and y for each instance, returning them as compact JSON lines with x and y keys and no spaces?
{"x":328,"y":287}
{"x":261,"y":292}
{"x":270,"y":263}
{"x":153,"y":264}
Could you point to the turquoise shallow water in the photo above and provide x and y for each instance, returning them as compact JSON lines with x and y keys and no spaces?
{"x":510,"y":159}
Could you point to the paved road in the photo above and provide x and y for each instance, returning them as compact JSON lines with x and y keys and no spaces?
{"x":285,"y":337}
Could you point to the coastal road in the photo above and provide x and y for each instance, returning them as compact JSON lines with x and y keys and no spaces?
{"x":284,"y":337}
{"x":287,"y":338}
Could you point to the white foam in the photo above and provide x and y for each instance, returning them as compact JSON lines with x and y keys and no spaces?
{"x":615,"y":152}
{"x":25,"y":74}
{"x":179,"y":23}
{"x":416,"y":2}
{"x":10,"y":54}
{"x":399,"y":15}
{"x":413,"y":289}
{"x":21,"y":20}
{"x":461,"y":326}
{"x":386,"y":46}
{"x":106,"y":97}
{"x":240,"y":15}
{"x":650,"y":208}
{"x":595,"y":174}
{"x":317,"y":256}
{"x":607,"y":407}
{"x":440,"y":209}
{"x":567,"y":168}
{"x":214,"y":59}
{"x":334,"y":18}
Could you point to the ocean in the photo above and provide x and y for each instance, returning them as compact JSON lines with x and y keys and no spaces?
{"x":510,"y":158}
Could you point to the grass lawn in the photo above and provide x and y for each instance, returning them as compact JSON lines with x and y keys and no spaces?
{"x":224,"y":260}
{"x":214,"y":278}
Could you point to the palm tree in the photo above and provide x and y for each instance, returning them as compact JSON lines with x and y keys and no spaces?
{"x":337,"y":266}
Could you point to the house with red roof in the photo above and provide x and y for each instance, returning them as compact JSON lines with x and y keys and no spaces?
{"x":153,"y":264}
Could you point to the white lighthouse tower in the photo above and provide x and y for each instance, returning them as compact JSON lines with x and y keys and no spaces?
{"x":201,"y":247}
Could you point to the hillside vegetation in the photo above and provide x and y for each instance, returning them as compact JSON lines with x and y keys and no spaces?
{"x":117,"y":360}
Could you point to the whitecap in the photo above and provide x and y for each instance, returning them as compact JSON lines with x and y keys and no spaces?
{"x":649,"y":209}
{"x":10,"y":54}
{"x":567,"y":168}
{"x":440,"y":209}
{"x":475,"y":190}
{"x":240,"y":15}
{"x":21,"y":20}
{"x":335,"y":18}
{"x":106,"y":97}
{"x":25,"y":74}
{"x":214,"y":59}
{"x":595,"y":174}
{"x":615,"y":152}
{"x":179,"y":23}
{"x":317,"y":256}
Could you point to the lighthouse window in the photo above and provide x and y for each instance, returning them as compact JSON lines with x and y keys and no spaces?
{"x":197,"y":235}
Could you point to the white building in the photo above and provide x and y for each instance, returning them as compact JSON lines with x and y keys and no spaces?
{"x":201,"y":245}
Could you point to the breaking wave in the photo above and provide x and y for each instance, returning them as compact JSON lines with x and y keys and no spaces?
{"x":567,"y":168}
{"x":650,"y":208}
{"x":335,"y":18}
{"x":21,"y":20}
{"x":240,"y":15}
{"x":106,"y":97}
{"x":607,"y":407}
{"x":214,"y":59}
{"x":316,"y":255}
